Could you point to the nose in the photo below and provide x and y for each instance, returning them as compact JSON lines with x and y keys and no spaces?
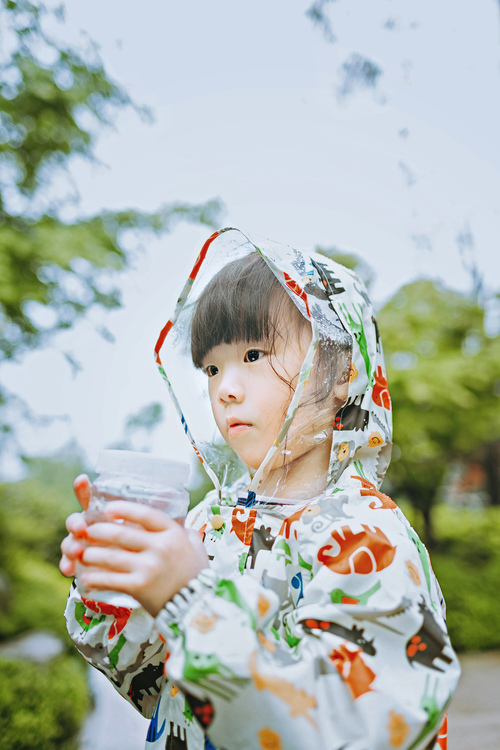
{"x":230,"y":387}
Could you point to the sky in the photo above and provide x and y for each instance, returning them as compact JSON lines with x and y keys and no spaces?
{"x":247,"y":107}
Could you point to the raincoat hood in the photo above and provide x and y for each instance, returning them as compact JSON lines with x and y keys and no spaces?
{"x":337,"y":306}
{"x":318,"y":622}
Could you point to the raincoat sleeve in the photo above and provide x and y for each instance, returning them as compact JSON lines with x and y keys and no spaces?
{"x":361,"y":659}
{"x":122,"y":643}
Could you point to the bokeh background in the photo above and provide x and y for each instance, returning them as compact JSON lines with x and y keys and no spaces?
{"x":367,"y":129}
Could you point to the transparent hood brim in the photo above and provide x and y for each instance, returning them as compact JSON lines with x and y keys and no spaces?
{"x":296,"y":272}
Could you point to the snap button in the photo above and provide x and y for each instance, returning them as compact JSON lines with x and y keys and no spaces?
{"x":217,"y":522}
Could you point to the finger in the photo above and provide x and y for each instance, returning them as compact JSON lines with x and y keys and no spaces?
{"x":71,"y":548}
{"x":67,"y":567}
{"x":104,"y":580}
{"x":120,"y":535}
{"x":81,"y":487}
{"x":150,"y":518}
{"x":76,"y":524}
{"x":109,"y":558}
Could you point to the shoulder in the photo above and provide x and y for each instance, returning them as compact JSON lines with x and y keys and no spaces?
{"x":350,"y":534}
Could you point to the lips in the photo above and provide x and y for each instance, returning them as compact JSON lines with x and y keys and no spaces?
{"x":235,"y":427}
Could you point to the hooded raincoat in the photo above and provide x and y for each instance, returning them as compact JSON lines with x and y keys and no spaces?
{"x":320,"y":623}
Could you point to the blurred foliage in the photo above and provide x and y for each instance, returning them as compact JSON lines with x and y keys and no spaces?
{"x":317,"y":14}
{"x":32,"y":516}
{"x":357,"y":72}
{"x":42,"y":705}
{"x":52,"y":272}
{"x":467,"y":565}
{"x":444,"y":378}
{"x":147,"y":418}
{"x":53,"y":101}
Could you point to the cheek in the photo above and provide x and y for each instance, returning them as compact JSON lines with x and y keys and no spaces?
{"x":216,"y":408}
{"x":212,"y":395}
{"x":276,"y":407}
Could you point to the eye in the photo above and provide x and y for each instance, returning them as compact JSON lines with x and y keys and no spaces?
{"x":211,"y":370}
{"x":252,"y":355}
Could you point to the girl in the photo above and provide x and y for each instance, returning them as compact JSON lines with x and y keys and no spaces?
{"x":297,"y":608}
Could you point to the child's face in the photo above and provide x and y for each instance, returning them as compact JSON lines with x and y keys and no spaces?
{"x":249,"y":400}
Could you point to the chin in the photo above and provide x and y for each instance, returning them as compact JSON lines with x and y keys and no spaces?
{"x":253,"y":465}
{"x":252,"y":462}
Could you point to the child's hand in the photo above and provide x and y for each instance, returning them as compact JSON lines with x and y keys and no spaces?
{"x":151,"y":561}
{"x":71,"y":547}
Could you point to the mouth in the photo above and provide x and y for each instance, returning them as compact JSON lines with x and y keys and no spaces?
{"x":236,"y":428}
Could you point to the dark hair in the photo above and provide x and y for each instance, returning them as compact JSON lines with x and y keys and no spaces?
{"x":245,"y":301}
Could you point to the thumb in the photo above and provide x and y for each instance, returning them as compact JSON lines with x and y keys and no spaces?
{"x":81,"y":487}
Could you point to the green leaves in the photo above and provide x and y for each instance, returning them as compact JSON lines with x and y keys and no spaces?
{"x":67,"y":268}
{"x":443,"y":373}
{"x":54,"y":100}
{"x":47,"y":92}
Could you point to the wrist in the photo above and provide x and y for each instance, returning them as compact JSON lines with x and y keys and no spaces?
{"x":175,"y":610}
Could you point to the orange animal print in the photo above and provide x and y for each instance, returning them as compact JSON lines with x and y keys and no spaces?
{"x":365,"y":552}
{"x":296,"y":289}
{"x":298,"y":700}
{"x":356,"y":674}
{"x":398,"y":729}
{"x":442,"y":740}
{"x":380,"y":392}
{"x":269,"y":740}
{"x":243,"y":527}
{"x":121,"y":615}
{"x":286,"y":526}
{"x":201,"y":531}
{"x":369,"y":489}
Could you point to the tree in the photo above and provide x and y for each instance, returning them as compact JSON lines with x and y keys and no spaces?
{"x":53,"y":101}
{"x":444,"y":377}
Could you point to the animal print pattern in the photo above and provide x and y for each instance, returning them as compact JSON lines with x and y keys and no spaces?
{"x":319,"y":624}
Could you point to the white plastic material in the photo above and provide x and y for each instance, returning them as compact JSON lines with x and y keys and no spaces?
{"x":140,"y":478}
{"x":135,"y":464}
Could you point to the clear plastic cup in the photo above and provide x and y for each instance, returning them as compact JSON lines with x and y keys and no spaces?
{"x":139,"y":478}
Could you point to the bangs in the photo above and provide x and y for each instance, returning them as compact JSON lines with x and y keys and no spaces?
{"x":243,"y":302}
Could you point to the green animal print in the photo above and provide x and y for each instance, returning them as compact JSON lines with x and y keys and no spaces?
{"x":228,"y":590}
{"x":197,"y":666}
{"x":83,"y":620}
{"x":358,"y":331}
{"x":283,"y":550}
{"x":422,"y":553}
{"x":337,"y":595}
{"x":359,"y":468}
{"x":242,"y":561}
{"x":113,"y":655}
{"x":304,"y":564}
{"x":188,"y":712}
{"x":434,"y":713}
